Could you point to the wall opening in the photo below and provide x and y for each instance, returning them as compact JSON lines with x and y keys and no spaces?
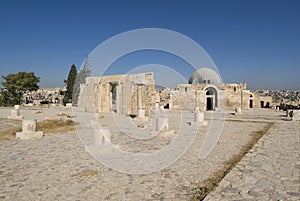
{"x":251,"y":104}
{"x":209,"y":103}
{"x":211,"y":98}
{"x":114,"y":96}
{"x":262,"y":104}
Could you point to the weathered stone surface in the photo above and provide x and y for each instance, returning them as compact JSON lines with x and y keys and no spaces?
{"x":69,"y":105}
{"x":199,"y":116}
{"x":296,"y":115}
{"x":269,"y":172}
{"x":15,"y":114}
{"x":238,"y":111}
{"x":133,"y":92}
{"x":29,"y":130}
{"x":216,"y":97}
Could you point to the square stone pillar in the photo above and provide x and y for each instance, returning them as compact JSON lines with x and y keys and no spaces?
{"x":29,"y":130}
{"x":141,"y":111}
{"x":15,"y":114}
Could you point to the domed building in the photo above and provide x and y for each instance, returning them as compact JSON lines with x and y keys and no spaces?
{"x":206,"y":91}
{"x":205,"y":76}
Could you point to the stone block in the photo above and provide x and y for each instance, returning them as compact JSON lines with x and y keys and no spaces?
{"x":296,"y":115}
{"x":166,"y":133}
{"x":161,"y":108}
{"x":199,"y":116}
{"x":15,"y":114}
{"x":29,"y":136}
{"x":141,"y":114}
{"x":204,"y":123}
{"x":69,"y":105}
{"x":29,"y":130}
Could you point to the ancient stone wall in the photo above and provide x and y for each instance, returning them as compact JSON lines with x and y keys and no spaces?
{"x":262,"y":101}
{"x":225,"y":96}
{"x":96,"y":94}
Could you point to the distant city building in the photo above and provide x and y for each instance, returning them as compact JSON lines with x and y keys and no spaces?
{"x":51,"y":95}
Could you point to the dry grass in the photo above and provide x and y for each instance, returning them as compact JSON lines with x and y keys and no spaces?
{"x":85,"y":173}
{"x":47,"y":126}
{"x":56,"y":125}
{"x":202,"y":190}
{"x":9,"y":134}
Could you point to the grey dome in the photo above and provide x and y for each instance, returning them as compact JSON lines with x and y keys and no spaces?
{"x":205,"y":76}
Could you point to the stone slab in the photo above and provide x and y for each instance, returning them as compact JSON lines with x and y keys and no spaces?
{"x":296,"y":115}
{"x":28,"y":136}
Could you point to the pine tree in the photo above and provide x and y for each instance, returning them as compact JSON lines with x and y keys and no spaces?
{"x":16,"y":85}
{"x":70,"y":84}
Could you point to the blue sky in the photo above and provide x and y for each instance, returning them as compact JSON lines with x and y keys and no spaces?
{"x":253,"y":41}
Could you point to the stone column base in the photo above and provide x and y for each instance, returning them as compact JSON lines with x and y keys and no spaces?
{"x":199,"y":116}
{"x":15,"y":117}
{"x":141,"y":114}
{"x":28,"y":136}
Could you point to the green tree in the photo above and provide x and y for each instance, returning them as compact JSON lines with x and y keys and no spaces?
{"x":15,"y":85}
{"x":70,"y":84}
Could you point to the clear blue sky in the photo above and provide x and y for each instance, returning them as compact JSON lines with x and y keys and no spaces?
{"x":253,"y":41}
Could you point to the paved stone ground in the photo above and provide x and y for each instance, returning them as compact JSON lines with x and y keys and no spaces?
{"x":270,"y":171}
{"x":57,"y":167}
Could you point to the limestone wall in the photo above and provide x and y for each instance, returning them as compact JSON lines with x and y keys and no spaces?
{"x":226,"y":96}
{"x":96,"y":94}
{"x":86,"y":101}
{"x":262,"y":101}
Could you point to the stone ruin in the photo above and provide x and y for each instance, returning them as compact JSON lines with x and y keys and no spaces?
{"x":15,"y":113}
{"x":29,"y":130}
{"x":296,"y":115}
{"x":128,"y":94}
{"x":134,"y":95}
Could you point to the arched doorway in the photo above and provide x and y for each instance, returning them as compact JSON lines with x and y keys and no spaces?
{"x":211,"y":97}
